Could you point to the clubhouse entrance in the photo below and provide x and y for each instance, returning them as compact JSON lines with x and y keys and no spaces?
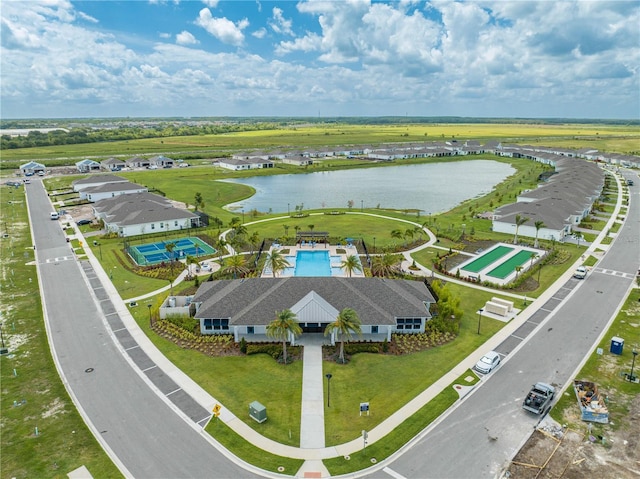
{"x":313,"y":327}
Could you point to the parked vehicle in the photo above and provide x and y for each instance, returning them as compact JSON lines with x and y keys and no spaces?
{"x":580,"y":273}
{"x":488,"y":362}
{"x":539,"y":398}
{"x":54,"y":215}
{"x":83,"y":222}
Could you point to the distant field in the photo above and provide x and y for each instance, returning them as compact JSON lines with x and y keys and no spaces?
{"x":621,"y":139}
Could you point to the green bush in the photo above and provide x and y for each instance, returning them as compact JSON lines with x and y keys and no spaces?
{"x":354,"y":348}
{"x":185,"y":322}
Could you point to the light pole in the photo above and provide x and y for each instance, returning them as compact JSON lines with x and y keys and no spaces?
{"x":479,"y":318}
{"x":100,"y":248}
{"x":288,"y":210}
{"x":242,"y":215}
{"x":328,"y":376}
{"x":374,"y":245}
{"x":149,"y":308}
{"x":361,"y":205}
{"x":631,"y":376}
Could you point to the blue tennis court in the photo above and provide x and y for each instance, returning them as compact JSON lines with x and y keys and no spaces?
{"x":154,"y":253}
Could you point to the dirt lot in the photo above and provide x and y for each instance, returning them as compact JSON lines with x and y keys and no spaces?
{"x":554,"y":452}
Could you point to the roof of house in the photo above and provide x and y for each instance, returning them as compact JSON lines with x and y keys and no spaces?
{"x":254,"y":301}
{"x":139,"y":208}
{"x":91,"y":180}
{"x":110,"y":187}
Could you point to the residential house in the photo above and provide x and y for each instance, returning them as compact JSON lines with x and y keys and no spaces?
{"x":97,"y":180}
{"x":110,"y":190}
{"x":113,"y":164}
{"x":32,"y":168}
{"x":87,"y":166}
{"x":143,"y":213}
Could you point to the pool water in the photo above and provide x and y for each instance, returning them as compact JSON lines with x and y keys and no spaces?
{"x":313,"y":264}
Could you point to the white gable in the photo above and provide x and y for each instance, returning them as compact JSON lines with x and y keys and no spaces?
{"x":313,"y":308}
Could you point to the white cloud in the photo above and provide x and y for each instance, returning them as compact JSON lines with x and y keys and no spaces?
{"x":88,"y":18}
{"x":279,"y":24}
{"x":164,"y":35}
{"x":574,"y":59}
{"x":186,"y":38}
{"x":222,"y":28}
{"x":260,"y":33}
{"x":211,"y":3}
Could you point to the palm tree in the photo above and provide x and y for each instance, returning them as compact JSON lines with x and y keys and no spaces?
{"x":408,"y":234}
{"x":283,"y":327}
{"x":397,"y":234}
{"x":170,"y":247}
{"x":538,"y":225}
{"x":220,"y":246}
{"x":276,"y":261}
{"x":518,"y":269}
{"x":254,"y":239}
{"x":350,"y":264}
{"x":346,"y":323}
{"x":520,"y":220}
{"x":236,"y":265}
{"x":385,"y":265}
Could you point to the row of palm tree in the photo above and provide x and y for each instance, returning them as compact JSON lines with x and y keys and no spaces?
{"x":520,"y":220}
{"x":285,"y":327}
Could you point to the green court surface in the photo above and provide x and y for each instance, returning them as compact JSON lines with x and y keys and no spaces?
{"x":506,"y":268}
{"x":486,"y":259}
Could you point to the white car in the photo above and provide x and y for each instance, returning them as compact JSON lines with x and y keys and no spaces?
{"x":487,"y":363}
{"x":205,"y":266}
{"x":580,"y":273}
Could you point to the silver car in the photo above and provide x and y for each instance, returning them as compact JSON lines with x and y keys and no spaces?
{"x":487,"y":363}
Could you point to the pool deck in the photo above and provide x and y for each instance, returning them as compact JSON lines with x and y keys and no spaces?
{"x":333,"y":251}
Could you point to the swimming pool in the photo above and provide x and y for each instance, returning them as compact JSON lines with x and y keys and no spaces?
{"x":313,"y":264}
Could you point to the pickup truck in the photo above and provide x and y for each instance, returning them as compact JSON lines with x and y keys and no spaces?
{"x":539,"y":398}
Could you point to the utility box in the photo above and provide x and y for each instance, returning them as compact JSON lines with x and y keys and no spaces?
{"x":257,"y":411}
{"x":617,"y":344}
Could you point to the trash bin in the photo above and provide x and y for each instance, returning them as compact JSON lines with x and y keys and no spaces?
{"x":617,"y":344}
{"x":257,"y":411}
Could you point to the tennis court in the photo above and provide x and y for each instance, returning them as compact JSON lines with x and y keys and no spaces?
{"x":158,"y":252}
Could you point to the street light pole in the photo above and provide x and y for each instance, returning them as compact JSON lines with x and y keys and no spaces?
{"x":479,"y":318}
{"x":328,"y":376}
{"x":631,"y":376}
{"x":149,"y":308}
{"x":374,"y":245}
{"x":288,"y":210}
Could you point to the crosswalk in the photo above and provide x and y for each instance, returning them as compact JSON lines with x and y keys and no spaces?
{"x":612,"y":272}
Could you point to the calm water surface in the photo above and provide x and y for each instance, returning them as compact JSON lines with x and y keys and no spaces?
{"x":432,"y":188}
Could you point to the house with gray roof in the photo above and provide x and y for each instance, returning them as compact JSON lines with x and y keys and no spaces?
{"x":112,"y":164}
{"x":87,"y":166}
{"x":110,"y":190}
{"x":244,"y":307}
{"x":561,"y":203}
{"x":97,"y":180}
{"x":143,"y":213}
{"x":32,"y":168}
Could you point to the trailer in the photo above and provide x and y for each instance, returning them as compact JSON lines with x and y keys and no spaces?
{"x":592,"y":405}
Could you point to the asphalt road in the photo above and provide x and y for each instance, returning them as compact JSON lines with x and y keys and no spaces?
{"x":482,"y":434}
{"x":133,"y":422}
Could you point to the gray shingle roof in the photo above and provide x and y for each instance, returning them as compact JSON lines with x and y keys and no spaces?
{"x":255,"y":301}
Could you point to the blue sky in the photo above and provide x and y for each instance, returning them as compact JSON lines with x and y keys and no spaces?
{"x":573,"y":59}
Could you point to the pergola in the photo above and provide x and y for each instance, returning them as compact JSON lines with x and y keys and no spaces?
{"x":312,"y":235}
